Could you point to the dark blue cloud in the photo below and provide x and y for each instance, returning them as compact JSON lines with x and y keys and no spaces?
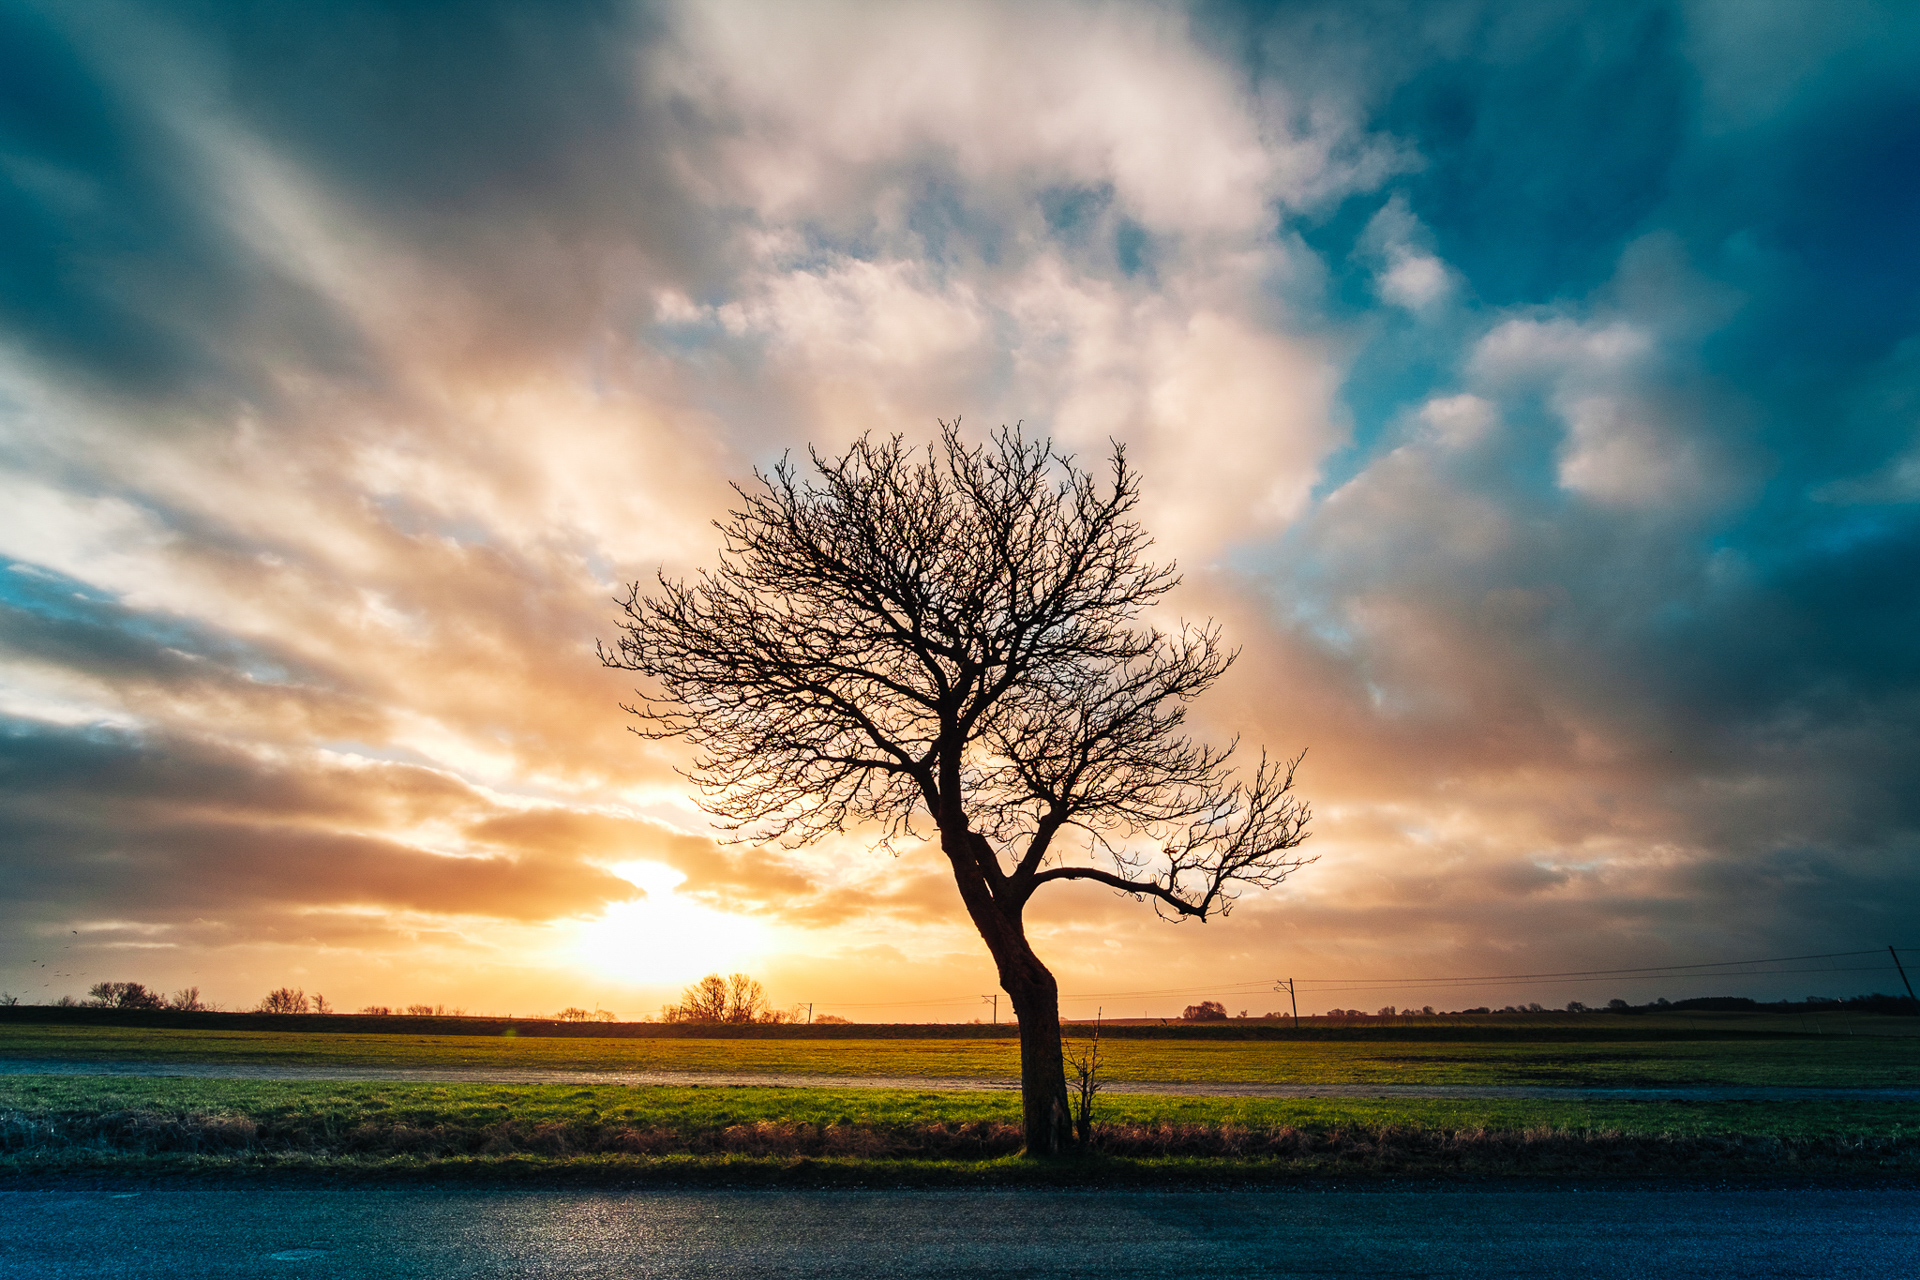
{"x":475,"y":133}
{"x":1542,"y":160}
{"x":447,"y":105}
{"x":1552,"y":140}
{"x":482,"y":133}
{"x":98,"y":240}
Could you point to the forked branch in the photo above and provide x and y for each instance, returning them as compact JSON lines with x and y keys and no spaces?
{"x":1245,"y":836}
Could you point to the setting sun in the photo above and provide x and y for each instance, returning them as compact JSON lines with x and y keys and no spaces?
{"x":663,"y":939}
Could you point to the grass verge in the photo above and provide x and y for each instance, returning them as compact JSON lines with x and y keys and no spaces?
{"x":56,"y":1125}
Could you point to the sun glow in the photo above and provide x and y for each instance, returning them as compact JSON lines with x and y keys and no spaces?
{"x":665,"y":939}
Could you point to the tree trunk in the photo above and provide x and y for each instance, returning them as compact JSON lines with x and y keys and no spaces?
{"x":1046,"y":1119}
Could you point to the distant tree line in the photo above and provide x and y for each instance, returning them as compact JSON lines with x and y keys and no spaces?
{"x":571,"y":1014}
{"x":134,"y":995}
{"x":1215,"y":1011}
{"x":1874,"y":1003}
{"x":738,"y":998}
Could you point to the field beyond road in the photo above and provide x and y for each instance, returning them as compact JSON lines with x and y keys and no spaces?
{"x":1861,"y":1061}
{"x":52,"y":1123}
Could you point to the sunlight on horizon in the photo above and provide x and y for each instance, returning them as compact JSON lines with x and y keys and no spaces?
{"x":664,"y":939}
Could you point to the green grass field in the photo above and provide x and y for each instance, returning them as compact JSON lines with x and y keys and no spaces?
{"x":54,"y":1124}
{"x":1828,"y":1061}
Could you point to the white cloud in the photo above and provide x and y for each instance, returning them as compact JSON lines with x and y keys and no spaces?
{"x":1228,"y":422}
{"x":1459,"y":421}
{"x":1406,"y":271}
{"x":1633,"y":438}
{"x":1040,"y":93}
{"x":886,"y":318}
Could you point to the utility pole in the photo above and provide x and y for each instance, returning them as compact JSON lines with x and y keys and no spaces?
{"x":1903,"y":973}
{"x":809,"y":1013}
{"x":995,"y":1001}
{"x":1292,"y":997}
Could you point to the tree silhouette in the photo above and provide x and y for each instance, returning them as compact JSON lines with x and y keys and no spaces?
{"x":735,"y":998}
{"x":125,"y":995}
{"x":952,"y":636}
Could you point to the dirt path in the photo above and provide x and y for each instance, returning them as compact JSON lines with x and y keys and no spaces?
{"x":935,"y":1084}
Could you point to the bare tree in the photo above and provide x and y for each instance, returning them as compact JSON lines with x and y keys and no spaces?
{"x":735,"y":998}
{"x":125,"y":995}
{"x":953,"y":636}
{"x":283,"y":1000}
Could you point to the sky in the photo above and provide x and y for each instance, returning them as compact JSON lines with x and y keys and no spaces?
{"x":1530,"y":391}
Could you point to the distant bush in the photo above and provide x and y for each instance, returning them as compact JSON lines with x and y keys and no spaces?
{"x":283,"y":1000}
{"x":571,"y":1014}
{"x":188,"y":999}
{"x":1716,"y":1004}
{"x":426,"y":1010}
{"x":1205,"y":1011}
{"x":834,"y":1019}
{"x":378,"y":1010}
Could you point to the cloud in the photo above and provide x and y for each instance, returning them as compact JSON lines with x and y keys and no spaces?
{"x":1408,"y":274}
{"x":821,"y":102}
{"x":1530,"y":390}
{"x":734,"y":878}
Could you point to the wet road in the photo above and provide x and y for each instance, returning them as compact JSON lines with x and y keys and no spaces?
{"x":262,"y":1228}
{"x":938,"y":1084}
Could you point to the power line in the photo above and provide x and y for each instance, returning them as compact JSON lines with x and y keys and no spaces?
{"x":1466,"y":984}
{"x":1669,"y":970}
{"x":1658,"y":969}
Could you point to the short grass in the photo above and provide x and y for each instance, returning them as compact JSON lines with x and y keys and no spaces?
{"x":66,"y":1123}
{"x":1829,"y":1061}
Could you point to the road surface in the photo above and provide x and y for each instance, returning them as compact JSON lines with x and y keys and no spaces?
{"x":309,"y":1231}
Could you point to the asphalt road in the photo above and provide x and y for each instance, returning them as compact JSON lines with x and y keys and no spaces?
{"x":254,"y":1228}
{"x":942,"y":1084}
